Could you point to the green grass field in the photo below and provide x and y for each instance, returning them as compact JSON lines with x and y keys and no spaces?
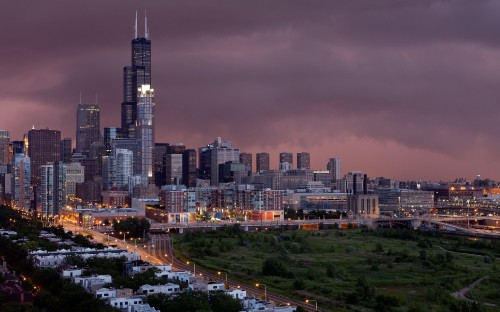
{"x":381,"y":270}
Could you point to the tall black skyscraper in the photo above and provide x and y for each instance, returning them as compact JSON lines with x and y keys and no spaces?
{"x":134,"y":76}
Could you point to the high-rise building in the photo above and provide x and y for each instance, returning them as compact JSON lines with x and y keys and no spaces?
{"x":75,"y":173}
{"x":16,"y":147}
{"x":246,"y":159}
{"x":334,"y":166}
{"x":216,"y":153}
{"x":66,"y":151}
{"x":173,"y":169}
{"x":286,"y":157}
{"x":21,"y":190}
{"x":262,"y":161}
{"x":160,"y":150}
{"x":135,"y":76}
{"x":145,"y":128}
{"x":44,"y":146}
{"x":132,"y":145}
{"x":123,"y":168}
{"x":4,"y":147}
{"x":87,"y":127}
{"x":189,"y":168}
{"x":52,"y":189}
{"x":303,"y":160}
{"x":110,"y":133}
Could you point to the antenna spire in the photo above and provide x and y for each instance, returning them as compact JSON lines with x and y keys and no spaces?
{"x":146,"y":31}
{"x":80,"y":97}
{"x":135,"y":28}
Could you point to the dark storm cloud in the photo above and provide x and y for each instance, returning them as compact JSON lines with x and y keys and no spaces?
{"x":413,"y":78}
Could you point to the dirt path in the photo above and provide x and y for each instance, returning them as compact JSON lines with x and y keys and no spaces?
{"x":462,"y":292}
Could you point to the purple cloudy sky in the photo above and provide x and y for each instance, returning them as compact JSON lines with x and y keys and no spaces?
{"x":401,"y":89}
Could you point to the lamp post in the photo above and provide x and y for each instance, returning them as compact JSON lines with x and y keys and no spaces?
{"x":194,"y":268}
{"x":225,"y":274}
{"x":265,"y":290}
{"x":315,"y":301}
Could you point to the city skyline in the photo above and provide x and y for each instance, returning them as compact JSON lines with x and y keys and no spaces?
{"x":397,"y":90}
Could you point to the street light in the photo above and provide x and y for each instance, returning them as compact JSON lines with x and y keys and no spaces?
{"x":194,"y":268}
{"x":315,"y":301}
{"x":224,"y":273}
{"x":265,"y":290}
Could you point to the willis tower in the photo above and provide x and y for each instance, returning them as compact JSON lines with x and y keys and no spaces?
{"x":134,"y":77}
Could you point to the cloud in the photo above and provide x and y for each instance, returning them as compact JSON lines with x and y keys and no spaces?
{"x":397,"y":79}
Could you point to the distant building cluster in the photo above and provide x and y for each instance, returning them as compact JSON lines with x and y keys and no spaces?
{"x":111,"y":166}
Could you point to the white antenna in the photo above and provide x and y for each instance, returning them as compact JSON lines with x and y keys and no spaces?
{"x":135,"y":28}
{"x":146,"y":31}
{"x":80,"y":97}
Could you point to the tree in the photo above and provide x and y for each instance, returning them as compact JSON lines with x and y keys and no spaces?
{"x":219,"y":301}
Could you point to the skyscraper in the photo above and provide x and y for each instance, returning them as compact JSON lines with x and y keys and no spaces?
{"x":134,"y":76}
{"x":262,"y":161}
{"x":173,"y":169}
{"x":21,"y":190}
{"x":4,"y":147}
{"x":286,"y":157}
{"x":303,"y":160}
{"x":87,"y":127}
{"x":66,"y":150}
{"x":246,"y":159}
{"x":189,"y":168}
{"x":110,"y":134}
{"x":214,"y":154}
{"x":334,"y":166}
{"x":44,"y":146}
{"x":160,"y":150}
{"x":145,"y":128}
{"x":52,"y":189}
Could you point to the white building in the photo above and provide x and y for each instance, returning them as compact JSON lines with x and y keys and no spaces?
{"x":70,"y":273}
{"x":141,"y":308}
{"x":239,"y":294}
{"x":213,"y":286}
{"x":124,"y":303}
{"x":95,"y":282}
{"x":169,"y":288}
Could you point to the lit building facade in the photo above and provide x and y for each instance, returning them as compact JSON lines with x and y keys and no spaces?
{"x":145,"y":132}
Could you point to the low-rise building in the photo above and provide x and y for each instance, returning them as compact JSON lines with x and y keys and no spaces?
{"x":169,"y":288}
